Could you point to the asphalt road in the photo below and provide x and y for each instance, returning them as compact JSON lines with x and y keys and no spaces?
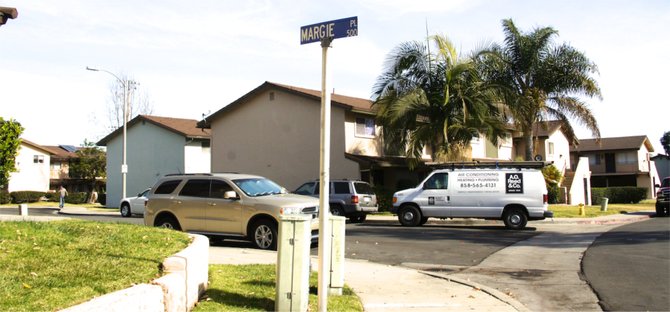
{"x":629,"y":267}
{"x":431,"y":244}
{"x":53,"y":212}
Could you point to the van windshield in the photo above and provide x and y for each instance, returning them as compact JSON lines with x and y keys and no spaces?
{"x":258,"y":187}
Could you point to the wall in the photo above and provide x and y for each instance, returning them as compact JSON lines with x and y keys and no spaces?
{"x":30,"y":176}
{"x":152,"y":152}
{"x":582,"y":172}
{"x":561,"y":155}
{"x":358,"y":144}
{"x":197,"y":157}
{"x":279,"y":138}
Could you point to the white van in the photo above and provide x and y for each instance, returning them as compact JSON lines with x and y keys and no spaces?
{"x":512,"y":195}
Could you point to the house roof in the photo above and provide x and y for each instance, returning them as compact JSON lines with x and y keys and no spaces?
{"x":36,"y":146}
{"x":186,"y":127}
{"x":60,"y":152}
{"x":348,"y":102}
{"x":615,"y":143}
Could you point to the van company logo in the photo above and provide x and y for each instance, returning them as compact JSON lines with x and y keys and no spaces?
{"x":514,"y":183}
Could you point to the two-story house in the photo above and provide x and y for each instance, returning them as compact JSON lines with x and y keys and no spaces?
{"x":32,"y":168}
{"x":273,"y":131}
{"x":155,"y":146}
{"x":619,"y":161}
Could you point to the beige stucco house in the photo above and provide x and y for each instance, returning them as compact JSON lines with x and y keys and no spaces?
{"x":620,"y":161}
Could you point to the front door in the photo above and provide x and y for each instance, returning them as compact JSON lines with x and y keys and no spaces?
{"x":223,"y":215}
{"x":610,"y":163}
{"x":435,"y":197}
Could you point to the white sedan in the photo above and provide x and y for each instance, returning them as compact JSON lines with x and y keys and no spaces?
{"x":133,"y":205}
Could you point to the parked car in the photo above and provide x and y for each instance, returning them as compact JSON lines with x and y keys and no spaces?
{"x":348,"y":198}
{"x":133,"y":205}
{"x":663,"y":198}
{"x":515,"y":196}
{"x":226,"y":205}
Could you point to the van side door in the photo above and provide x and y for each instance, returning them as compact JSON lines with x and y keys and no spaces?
{"x":435,"y":197}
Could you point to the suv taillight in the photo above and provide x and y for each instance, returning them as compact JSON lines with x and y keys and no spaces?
{"x":545,"y":198}
{"x":354,"y":199}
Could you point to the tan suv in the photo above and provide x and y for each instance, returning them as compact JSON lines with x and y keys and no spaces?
{"x":226,"y":205}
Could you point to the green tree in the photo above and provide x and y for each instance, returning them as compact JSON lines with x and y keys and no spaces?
{"x":665,"y":141}
{"x":541,"y":81}
{"x":10,"y":141}
{"x":433,"y":99}
{"x":89,"y":164}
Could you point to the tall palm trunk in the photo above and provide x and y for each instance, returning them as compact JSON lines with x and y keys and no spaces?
{"x":528,"y":140}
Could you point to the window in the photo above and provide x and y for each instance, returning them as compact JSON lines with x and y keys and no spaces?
{"x":167,"y":187}
{"x":363,"y":188}
{"x":305,"y":189}
{"x":550,"y":148}
{"x":627,"y":158}
{"x":341,"y":187}
{"x":218,"y":188}
{"x":438,"y":181}
{"x":38,"y":159}
{"x":196,"y":188}
{"x":365,"y":127}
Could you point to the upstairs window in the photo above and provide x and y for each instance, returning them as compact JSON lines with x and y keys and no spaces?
{"x":38,"y":159}
{"x":365,"y":127}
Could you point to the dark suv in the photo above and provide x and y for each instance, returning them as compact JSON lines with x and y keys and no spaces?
{"x":348,"y":198}
{"x":663,"y":198}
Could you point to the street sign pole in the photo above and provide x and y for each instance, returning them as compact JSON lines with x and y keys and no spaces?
{"x":325,"y":240}
{"x":325,"y":33}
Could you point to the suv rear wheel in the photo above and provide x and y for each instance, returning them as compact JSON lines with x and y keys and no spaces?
{"x":168,"y":222}
{"x":264,"y":235}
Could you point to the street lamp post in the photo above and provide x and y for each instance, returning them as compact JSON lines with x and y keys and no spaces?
{"x":124,"y":164}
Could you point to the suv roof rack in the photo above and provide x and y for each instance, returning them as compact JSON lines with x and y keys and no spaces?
{"x":186,"y":174}
{"x":492,"y":164}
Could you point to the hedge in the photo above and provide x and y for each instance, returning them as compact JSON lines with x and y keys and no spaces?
{"x":76,"y":198}
{"x":20,"y":197}
{"x":384,"y":198}
{"x":619,"y":194}
{"x":5,"y":198}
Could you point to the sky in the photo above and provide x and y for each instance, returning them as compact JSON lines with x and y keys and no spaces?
{"x":194,"y":57}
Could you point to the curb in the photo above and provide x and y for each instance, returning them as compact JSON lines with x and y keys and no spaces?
{"x":491,"y":291}
{"x":608,"y":220}
{"x":185,"y":281}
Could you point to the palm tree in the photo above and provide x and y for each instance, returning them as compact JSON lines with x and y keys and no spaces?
{"x":435,"y":100}
{"x":539,"y":81}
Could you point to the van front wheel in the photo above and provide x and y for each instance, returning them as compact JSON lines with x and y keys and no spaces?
{"x":409,"y":216}
{"x":515,"y":219}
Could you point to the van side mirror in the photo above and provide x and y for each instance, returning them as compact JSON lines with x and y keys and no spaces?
{"x":230,"y":195}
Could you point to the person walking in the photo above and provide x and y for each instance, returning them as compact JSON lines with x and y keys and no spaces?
{"x":63,"y":193}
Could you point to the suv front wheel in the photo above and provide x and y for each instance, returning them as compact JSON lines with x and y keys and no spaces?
{"x":264,"y":235}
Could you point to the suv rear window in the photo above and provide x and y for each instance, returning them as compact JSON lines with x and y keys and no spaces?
{"x":167,"y":187}
{"x":363,"y":188}
{"x":341,"y":187}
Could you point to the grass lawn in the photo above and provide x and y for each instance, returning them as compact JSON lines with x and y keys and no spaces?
{"x":46,"y":266}
{"x":565,"y":211}
{"x":252,"y":288}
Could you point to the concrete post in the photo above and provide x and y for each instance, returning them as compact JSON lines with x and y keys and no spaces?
{"x":338,"y":226}
{"x":23,"y":210}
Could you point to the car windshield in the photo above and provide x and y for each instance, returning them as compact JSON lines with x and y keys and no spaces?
{"x":258,"y":187}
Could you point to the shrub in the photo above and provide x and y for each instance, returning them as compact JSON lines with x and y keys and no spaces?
{"x":102,"y":198}
{"x":20,"y":197}
{"x":5,"y":198}
{"x":52,"y":196}
{"x":384,"y":198}
{"x":619,"y":195}
{"x":553,"y":193}
{"x":76,"y":198}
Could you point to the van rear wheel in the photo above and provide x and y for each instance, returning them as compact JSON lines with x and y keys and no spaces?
{"x":515,"y":219}
{"x":409,"y":216}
